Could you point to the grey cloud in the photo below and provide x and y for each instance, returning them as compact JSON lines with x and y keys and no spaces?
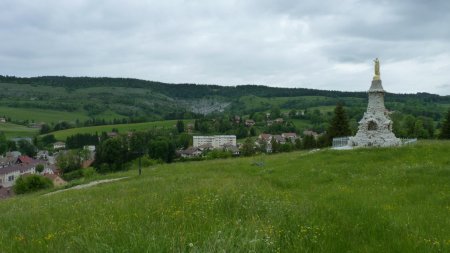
{"x":317,"y":44}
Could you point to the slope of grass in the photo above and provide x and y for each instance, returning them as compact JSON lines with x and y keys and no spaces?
{"x":63,"y":134}
{"x":368,"y":200}
{"x":41,"y":115}
{"x":13,"y":130}
{"x":52,"y":116}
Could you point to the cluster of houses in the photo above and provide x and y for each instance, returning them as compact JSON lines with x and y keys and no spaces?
{"x":251,"y":122}
{"x":202,"y":144}
{"x":13,"y":165}
{"x":266,"y":140}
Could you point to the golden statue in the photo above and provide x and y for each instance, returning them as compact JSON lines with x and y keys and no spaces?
{"x":377,"y":69}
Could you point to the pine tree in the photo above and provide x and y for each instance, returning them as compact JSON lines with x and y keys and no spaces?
{"x":248,"y":148}
{"x":252,"y":132}
{"x":445,"y":130}
{"x":308,"y":142}
{"x":180,"y":126}
{"x":340,"y":126}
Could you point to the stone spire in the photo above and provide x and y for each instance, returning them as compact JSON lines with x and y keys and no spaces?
{"x":375,"y":128}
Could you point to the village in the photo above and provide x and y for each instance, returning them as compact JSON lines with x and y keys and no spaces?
{"x":14,"y":164}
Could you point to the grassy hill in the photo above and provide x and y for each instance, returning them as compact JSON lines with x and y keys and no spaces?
{"x":367,"y":200}
{"x":50,"y":116}
{"x":63,"y":134}
{"x":12,"y":130}
{"x":109,"y":98}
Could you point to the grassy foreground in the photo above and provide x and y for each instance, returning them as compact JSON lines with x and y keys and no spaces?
{"x":377,"y":200}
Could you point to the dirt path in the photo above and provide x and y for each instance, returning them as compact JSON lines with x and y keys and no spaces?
{"x":82,"y":186}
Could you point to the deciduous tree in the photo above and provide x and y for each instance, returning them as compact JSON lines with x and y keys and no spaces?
{"x":445,"y":129}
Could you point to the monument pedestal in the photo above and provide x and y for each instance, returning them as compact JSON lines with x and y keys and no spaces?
{"x":375,"y":128}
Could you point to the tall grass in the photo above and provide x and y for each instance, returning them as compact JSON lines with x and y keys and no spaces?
{"x":367,"y":200}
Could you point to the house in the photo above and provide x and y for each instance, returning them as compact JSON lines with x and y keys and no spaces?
{"x":90,"y":148}
{"x":216,"y":141}
{"x":49,"y":169}
{"x":237,"y":119}
{"x":9,"y":175}
{"x":290,"y":136}
{"x":112,"y":134}
{"x":279,"y":139}
{"x":231,"y":148}
{"x":7,"y":161}
{"x":206,"y":146}
{"x":249,"y":122}
{"x":269,"y":122}
{"x":265,"y":137}
{"x":18,"y":139}
{"x":310,"y":133}
{"x":14,"y":154}
{"x":59,"y":145}
{"x":36,"y":125}
{"x":279,"y":120}
{"x":42,"y":155}
{"x":25,"y":160}
{"x":264,"y":145}
{"x":23,"y":165}
{"x":190,"y":152}
{"x":2,"y":120}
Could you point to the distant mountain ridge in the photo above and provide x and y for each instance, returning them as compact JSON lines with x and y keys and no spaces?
{"x":189,"y":90}
{"x":103,"y":97}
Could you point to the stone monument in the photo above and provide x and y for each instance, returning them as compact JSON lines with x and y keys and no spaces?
{"x":375,"y":128}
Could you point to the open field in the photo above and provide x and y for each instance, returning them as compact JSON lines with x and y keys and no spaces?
{"x":38,"y":115}
{"x":51,"y":116}
{"x":13,"y":130}
{"x":63,"y":134}
{"x":367,"y":200}
{"x":301,"y":124}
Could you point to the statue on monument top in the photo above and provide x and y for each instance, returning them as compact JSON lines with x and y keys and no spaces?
{"x":377,"y":69}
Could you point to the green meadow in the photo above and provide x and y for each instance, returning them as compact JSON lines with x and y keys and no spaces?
{"x":366,"y":200}
{"x":63,"y":134}
{"x":51,"y":116}
{"x":12,"y":130}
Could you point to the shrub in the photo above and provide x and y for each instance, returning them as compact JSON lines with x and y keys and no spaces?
{"x":89,"y":172}
{"x":31,"y":183}
{"x":215,"y":154}
{"x":146,"y":161}
{"x":40,"y":168}
{"x":76,"y":174}
{"x":69,"y":176}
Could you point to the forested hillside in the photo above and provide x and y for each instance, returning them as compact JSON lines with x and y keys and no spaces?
{"x":86,"y":101}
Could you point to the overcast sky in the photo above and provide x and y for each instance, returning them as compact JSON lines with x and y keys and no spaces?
{"x":290,"y":43}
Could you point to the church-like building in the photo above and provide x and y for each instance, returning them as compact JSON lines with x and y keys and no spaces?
{"x":375,"y":128}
